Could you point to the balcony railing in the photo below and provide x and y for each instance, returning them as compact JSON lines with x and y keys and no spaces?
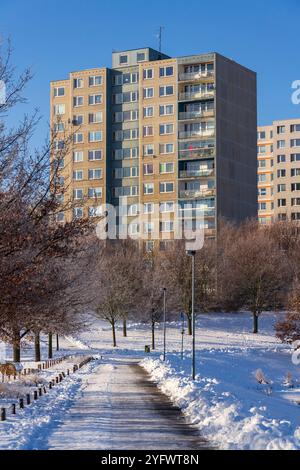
{"x":192,"y":193}
{"x":195,"y":173}
{"x":191,"y":213}
{"x":197,"y":153}
{"x":197,"y":114}
{"x":196,"y":134}
{"x":198,"y":95}
{"x":188,"y":76}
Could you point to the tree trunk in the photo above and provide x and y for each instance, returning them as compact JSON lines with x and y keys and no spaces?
{"x":189,"y":324}
{"x":124,"y":328}
{"x":113,"y":326}
{"x":50,"y":346}
{"x":255,"y":323}
{"x":153,"y":334}
{"x":37,"y":347}
{"x":57,"y":343}
{"x":16,"y":346}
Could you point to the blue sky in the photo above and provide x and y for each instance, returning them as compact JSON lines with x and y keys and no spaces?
{"x":55,"y":37}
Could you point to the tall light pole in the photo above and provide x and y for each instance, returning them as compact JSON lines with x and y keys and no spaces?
{"x":192,"y":254}
{"x":165,"y":324}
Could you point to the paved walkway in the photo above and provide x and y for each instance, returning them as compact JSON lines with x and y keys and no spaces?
{"x":120,"y":409}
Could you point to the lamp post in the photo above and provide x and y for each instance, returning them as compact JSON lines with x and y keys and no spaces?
{"x":165,"y":326}
{"x":192,"y":254}
{"x":182,"y":333}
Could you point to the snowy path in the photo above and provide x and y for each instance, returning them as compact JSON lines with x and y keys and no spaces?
{"x":120,"y":409}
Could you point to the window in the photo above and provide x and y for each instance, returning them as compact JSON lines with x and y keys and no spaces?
{"x":95,"y":155}
{"x":148,"y":74}
{"x":95,"y":118}
{"x":128,"y":134}
{"x":78,"y":193}
{"x":261,"y":135}
{"x":166,"y":129}
{"x":95,"y":174}
{"x":59,"y":145}
{"x":133,"y":210}
{"x":148,"y":93}
{"x":95,"y":99}
{"x":262,"y":206}
{"x":77,"y":101}
{"x":95,"y":136}
{"x":126,"y":153}
{"x":166,"y":71}
{"x":147,"y":131}
{"x":295,"y":215}
{"x":94,"y":193}
{"x":59,"y":127}
{"x":166,"y":226}
{"x":281,"y":158}
{"x":78,"y":175}
{"x":129,"y":78}
{"x":295,"y":157}
{"x":141,"y":57}
{"x":295,"y":172}
{"x":78,"y":83}
{"x":166,"y":110}
{"x":134,"y":229}
{"x":282,"y":217}
{"x":77,"y":120}
{"x":78,"y":138}
{"x":166,"y":187}
{"x":262,"y":178}
{"x":280,"y":144}
{"x":59,"y":91}
{"x":166,"y":90}
{"x":148,"y":150}
{"x":166,"y":167}
{"x":95,"y":211}
{"x":78,"y":212}
{"x":166,"y":206}
{"x":262,"y":149}
{"x":148,"y":227}
{"x":148,"y":169}
{"x":149,"y":246}
{"x":148,"y":111}
{"x":281,"y":188}
{"x":123,"y":59}
{"x":122,"y":191}
{"x":77,"y":157}
{"x":59,"y":109}
{"x":148,"y":188}
{"x":295,"y":128}
{"x":281,"y":203}
{"x":126,"y":172}
{"x":60,"y":217}
{"x":166,"y":148}
{"x":262,"y":192}
{"x":281,"y":173}
{"x":295,"y":186}
{"x":280,"y":129}
{"x":148,"y":208}
{"x":261,"y":163}
{"x":295,"y":201}
{"x":95,"y":80}
{"x":295,"y":143}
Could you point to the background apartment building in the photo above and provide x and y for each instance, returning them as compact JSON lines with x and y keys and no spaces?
{"x":279,"y":171}
{"x":161,"y":130}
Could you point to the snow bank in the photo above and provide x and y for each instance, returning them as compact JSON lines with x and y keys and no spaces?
{"x":223,"y":419}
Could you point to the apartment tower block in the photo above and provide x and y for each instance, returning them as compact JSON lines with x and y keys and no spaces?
{"x":160,"y":130}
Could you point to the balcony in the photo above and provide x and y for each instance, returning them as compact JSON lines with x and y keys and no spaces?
{"x":196,"y":173}
{"x":196,"y":76}
{"x":198,"y":95}
{"x":192,"y":213}
{"x":196,"y":153}
{"x":195,"y":193}
{"x":196,"y":134}
{"x":196,"y":114}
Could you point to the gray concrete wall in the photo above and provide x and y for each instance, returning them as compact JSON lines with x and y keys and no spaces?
{"x":236,"y":126}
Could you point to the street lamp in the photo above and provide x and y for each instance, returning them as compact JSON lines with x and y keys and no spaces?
{"x":192,"y":254}
{"x":182,"y":333}
{"x":165,"y":326}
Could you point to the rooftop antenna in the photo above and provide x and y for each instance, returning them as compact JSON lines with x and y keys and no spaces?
{"x":161,"y":29}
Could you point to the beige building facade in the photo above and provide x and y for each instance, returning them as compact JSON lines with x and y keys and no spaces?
{"x":279,"y":171}
{"x":160,"y":131}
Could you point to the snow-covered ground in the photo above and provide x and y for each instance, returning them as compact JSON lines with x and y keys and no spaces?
{"x":231,"y":409}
